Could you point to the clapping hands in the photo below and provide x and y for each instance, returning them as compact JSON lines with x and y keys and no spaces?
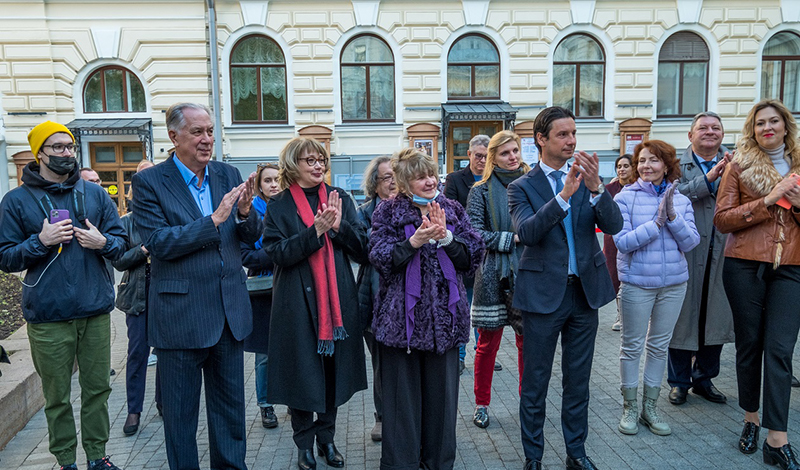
{"x":433,"y":227}
{"x":330,"y":216}
{"x":666,"y":209}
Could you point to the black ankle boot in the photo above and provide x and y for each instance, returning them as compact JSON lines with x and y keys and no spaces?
{"x":781,"y":456}
{"x":748,"y":442}
{"x":331,"y":454}
{"x":305,"y":459}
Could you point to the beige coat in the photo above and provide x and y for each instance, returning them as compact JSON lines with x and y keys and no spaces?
{"x":719,"y":320}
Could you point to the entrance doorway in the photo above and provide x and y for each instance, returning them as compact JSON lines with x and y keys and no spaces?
{"x":460,"y":135}
{"x":115,"y":163}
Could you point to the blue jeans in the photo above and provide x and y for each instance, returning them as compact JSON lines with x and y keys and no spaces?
{"x":261,"y":380}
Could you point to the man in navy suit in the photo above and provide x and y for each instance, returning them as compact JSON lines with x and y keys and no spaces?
{"x":562,"y":279}
{"x":193,"y":213}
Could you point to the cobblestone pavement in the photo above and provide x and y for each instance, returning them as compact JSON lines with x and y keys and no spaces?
{"x":704,"y":434}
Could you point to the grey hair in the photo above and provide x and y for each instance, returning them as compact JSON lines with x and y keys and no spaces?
{"x":480,"y":140}
{"x":370,"y":181}
{"x":710,"y":114}
{"x":175,"y":118}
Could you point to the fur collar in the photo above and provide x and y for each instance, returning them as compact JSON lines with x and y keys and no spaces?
{"x":758,"y":172}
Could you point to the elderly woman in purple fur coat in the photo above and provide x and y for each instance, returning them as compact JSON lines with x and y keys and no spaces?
{"x":422,"y":245}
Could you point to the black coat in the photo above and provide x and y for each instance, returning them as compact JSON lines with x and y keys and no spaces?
{"x":256,"y":261}
{"x":367,"y":279}
{"x":132,"y":289}
{"x":295,"y":370}
{"x":458,"y":184}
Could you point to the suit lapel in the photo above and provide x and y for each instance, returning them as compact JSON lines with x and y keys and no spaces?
{"x":177,"y":186}
{"x":218,"y":184}
{"x":540,"y":184}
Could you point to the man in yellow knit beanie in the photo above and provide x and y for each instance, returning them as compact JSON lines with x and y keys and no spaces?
{"x":59,"y":229}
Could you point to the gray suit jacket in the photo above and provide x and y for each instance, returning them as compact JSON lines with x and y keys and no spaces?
{"x":197,"y":282}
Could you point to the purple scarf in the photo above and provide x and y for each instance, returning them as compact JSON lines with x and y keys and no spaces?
{"x":414,"y":284}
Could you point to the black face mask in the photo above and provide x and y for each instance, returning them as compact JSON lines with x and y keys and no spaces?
{"x":61,"y":165}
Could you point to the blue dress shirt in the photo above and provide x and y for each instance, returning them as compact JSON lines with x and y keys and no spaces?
{"x":201,"y":194}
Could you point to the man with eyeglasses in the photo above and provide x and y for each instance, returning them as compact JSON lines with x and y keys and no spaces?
{"x":90,"y":175}
{"x":457,"y":186}
{"x":61,"y":230}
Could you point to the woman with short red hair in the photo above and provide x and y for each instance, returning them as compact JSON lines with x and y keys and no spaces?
{"x":658,"y":228}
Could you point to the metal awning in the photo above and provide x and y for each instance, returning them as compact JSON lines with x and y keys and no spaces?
{"x":479,"y":112}
{"x":497,"y":111}
{"x":142,"y":127}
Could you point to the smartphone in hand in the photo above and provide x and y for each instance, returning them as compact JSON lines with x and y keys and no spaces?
{"x":57,"y":215}
{"x":783,"y":202}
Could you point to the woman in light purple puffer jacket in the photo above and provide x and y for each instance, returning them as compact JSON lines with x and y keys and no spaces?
{"x":658,"y":228}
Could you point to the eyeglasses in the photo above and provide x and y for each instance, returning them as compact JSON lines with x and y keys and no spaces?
{"x":387,"y":179}
{"x":479,"y":156}
{"x":312,"y":162}
{"x":59,"y":148}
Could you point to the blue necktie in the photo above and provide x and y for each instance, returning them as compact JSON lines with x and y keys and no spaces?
{"x":707,"y":166}
{"x":573,"y":260}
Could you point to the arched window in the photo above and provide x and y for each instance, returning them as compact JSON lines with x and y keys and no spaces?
{"x":780,"y":68}
{"x":113,"y":89}
{"x":258,"y":81}
{"x":367,"y":80}
{"x":682,"y":76}
{"x":579,"y":75}
{"x":473,"y":69}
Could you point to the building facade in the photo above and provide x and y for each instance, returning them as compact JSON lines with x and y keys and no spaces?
{"x":371,"y":76}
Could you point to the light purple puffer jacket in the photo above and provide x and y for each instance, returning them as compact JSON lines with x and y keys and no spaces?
{"x":648,"y":256}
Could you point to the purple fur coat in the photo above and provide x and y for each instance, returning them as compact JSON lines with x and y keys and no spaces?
{"x":434,"y":329}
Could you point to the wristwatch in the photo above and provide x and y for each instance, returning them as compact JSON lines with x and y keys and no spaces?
{"x":600,"y":190}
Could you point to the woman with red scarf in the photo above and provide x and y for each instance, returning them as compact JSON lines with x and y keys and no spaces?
{"x":316,"y":357}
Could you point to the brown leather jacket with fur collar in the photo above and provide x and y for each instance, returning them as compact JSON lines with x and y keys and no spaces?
{"x":757,"y":232}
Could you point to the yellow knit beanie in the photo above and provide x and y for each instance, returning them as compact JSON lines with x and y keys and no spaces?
{"x":39,"y":134}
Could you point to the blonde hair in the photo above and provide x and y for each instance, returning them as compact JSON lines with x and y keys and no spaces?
{"x":748,"y":140}
{"x":289,"y":159}
{"x":410,"y":163}
{"x":497,"y":141}
{"x":260,"y":169}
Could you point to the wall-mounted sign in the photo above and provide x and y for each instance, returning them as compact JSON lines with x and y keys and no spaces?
{"x":426,"y":145}
{"x":530,"y":153}
{"x":631,"y":141}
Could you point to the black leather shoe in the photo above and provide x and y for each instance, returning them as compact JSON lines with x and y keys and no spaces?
{"x":497,"y":366}
{"x":305,"y":459}
{"x":131,"y":424}
{"x":795,"y":382}
{"x":481,"y":417}
{"x":532,"y":465}
{"x":331,"y":454}
{"x":268,"y":418}
{"x":781,"y":456}
{"x":710,"y":393}
{"x":748,"y":442}
{"x":583,"y":463}
{"x":677,"y":395}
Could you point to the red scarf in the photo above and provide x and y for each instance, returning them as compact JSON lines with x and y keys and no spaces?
{"x":323,"y":268}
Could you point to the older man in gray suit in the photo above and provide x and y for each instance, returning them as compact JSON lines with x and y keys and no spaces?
{"x":705,"y":322}
{"x":193,"y":212}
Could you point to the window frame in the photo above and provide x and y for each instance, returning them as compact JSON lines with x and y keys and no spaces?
{"x":232,"y":66}
{"x":681,"y":63}
{"x":577,"y":64}
{"x":367,"y":66}
{"x":472,"y":66}
{"x":125,"y":73}
{"x":782,"y":59}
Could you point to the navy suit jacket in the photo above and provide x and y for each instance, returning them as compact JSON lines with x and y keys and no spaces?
{"x":197,"y":282}
{"x":543,"y":268}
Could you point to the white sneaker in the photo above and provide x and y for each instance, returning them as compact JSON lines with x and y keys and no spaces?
{"x":152,"y":360}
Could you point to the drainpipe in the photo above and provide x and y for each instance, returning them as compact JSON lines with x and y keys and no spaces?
{"x":215,"y":98}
